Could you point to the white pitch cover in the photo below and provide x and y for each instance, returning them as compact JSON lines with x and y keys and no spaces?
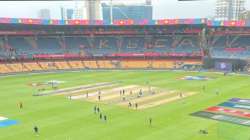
{"x":3,"y":118}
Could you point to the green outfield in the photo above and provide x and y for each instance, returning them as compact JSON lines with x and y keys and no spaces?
{"x":59,"y":118}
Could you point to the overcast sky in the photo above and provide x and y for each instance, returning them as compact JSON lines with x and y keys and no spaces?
{"x":162,"y":8}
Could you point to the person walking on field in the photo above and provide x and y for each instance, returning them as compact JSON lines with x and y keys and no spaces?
{"x":123,"y":98}
{"x":181,"y":95}
{"x":140,"y":93}
{"x":95,"y":109}
{"x":105,"y":118}
{"x":99,"y":97}
{"x":36,"y":130}
{"x":100,"y":116}
{"x":217,"y":92}
{"x":20,"y":105}
{"x":204,"y":88}
{"x":150,"y":121}
{"x":136,"y":105}
{"x":129,"y":104}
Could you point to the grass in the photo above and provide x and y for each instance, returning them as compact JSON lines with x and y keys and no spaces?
{"x":61,"y":119}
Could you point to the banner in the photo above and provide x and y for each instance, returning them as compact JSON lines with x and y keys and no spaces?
{"x":223,"y":66}
{"x":122,"y":22}
{"x":155,"y":54}
{"x":46,"y":56}
{"x":17,"y":33}
{"x":235,"y":49}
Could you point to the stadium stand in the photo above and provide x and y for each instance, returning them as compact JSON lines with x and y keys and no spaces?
{"x":90,"y":64}
{"x":105,"y":64}
{"x":49,"y":45}
{"x":62,"y":65}
{"x":163,"y":44}
{"x":135,"y":64}
{"x":32,"y":66}
{"x":47,"y":65}
{"x":161,"y":64}
{"x":100,"y":46}
{"x":234,"y":47}
{"x":17,"y":67}
{"x":76,"y":64}
{"x":4,"y":69}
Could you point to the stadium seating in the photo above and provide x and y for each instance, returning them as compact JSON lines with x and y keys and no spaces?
{"x":47,"y":65}
{"x":100,"y":46}
{"x":90,"y":64}
{"x":161,"y":64}
{"x":17,"y":67}
{"x":76,"y":64}
{"x":135,"y":64}
{"x":62,"y":65}
{"x":108,"y":45}
{"x":236,"y":47}
{"x":32,"y":42}
{"x":74,"y":44}
{"x":20,"y":45}
{"x":28,"y":47}
{"x":4,"y":69}
{"x":32,"y":66}
{"x":2,"y":49}
{"x":49,"y":45}
{"x":106,"y":64}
